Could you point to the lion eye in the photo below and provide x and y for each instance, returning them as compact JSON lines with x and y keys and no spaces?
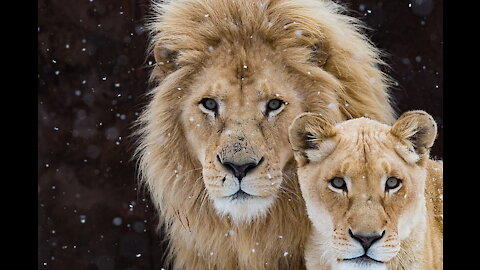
{"x":392,"y":183}
{"x":274,"y":105}
{"x":209,"y":104}
{"x":338,"y":183}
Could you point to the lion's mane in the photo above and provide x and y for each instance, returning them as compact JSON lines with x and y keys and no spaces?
{"x":181,"y":32}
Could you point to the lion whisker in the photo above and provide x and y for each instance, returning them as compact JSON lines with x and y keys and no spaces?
{"x":288,"y":190}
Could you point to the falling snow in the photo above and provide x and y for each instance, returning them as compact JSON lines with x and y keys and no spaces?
{"x":92,"y":83}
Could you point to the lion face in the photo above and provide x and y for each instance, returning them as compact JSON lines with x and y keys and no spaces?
{"x":236,"y":123}
{"x":363,"y":185}
{"x":231,"y":76}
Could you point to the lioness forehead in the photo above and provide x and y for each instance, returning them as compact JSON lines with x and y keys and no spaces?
{"x":365,"y":127}
{"x":365,"y":149}
{"x":365,"y":136}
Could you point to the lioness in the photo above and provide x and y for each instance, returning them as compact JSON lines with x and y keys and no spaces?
{"x":371,"y":191}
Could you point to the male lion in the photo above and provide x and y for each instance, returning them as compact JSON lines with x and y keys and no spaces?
{"x":214,"y":150}
{"x":371,"y":192}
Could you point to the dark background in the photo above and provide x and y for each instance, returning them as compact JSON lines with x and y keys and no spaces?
{"x":92,"y":77}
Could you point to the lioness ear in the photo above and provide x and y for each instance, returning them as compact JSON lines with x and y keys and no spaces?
{"x":418,"y":131}
{"x":166,"y":59}
{"x":308,"y":134}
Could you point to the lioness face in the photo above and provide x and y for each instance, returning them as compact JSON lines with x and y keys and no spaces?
{"x":236,"y":121}
{"x":362,"y":193}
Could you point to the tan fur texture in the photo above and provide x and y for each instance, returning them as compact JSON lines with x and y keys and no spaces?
{"x":406,"y":221}
{"x":243,"y":54}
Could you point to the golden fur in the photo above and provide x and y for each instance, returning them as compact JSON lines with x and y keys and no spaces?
{"x":244,"y":53}
{"x":406,"y":221}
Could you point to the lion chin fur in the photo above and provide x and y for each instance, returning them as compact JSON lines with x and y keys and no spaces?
{"x":321,"y":47}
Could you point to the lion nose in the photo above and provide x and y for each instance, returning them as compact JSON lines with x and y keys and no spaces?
{"x":240,"y":170}
{"x":366,"y":240}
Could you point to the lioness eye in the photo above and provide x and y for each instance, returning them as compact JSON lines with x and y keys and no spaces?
{"x":209,"y":104}
{"x":338,"y":183}
{"x":274,"y":104}
{"x":392,"y":183}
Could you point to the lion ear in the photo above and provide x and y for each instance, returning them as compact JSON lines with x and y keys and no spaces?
{"x":308,"y":135}
{"x":319,"y":55}
{"x":166,"y":59}
{"x":418,"y":131}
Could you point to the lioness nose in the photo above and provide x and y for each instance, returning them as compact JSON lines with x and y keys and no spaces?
{"x":240,"y":170}
{"x":366,"y":240}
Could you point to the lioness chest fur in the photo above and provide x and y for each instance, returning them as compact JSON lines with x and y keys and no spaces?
{"x":372,"y":194}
